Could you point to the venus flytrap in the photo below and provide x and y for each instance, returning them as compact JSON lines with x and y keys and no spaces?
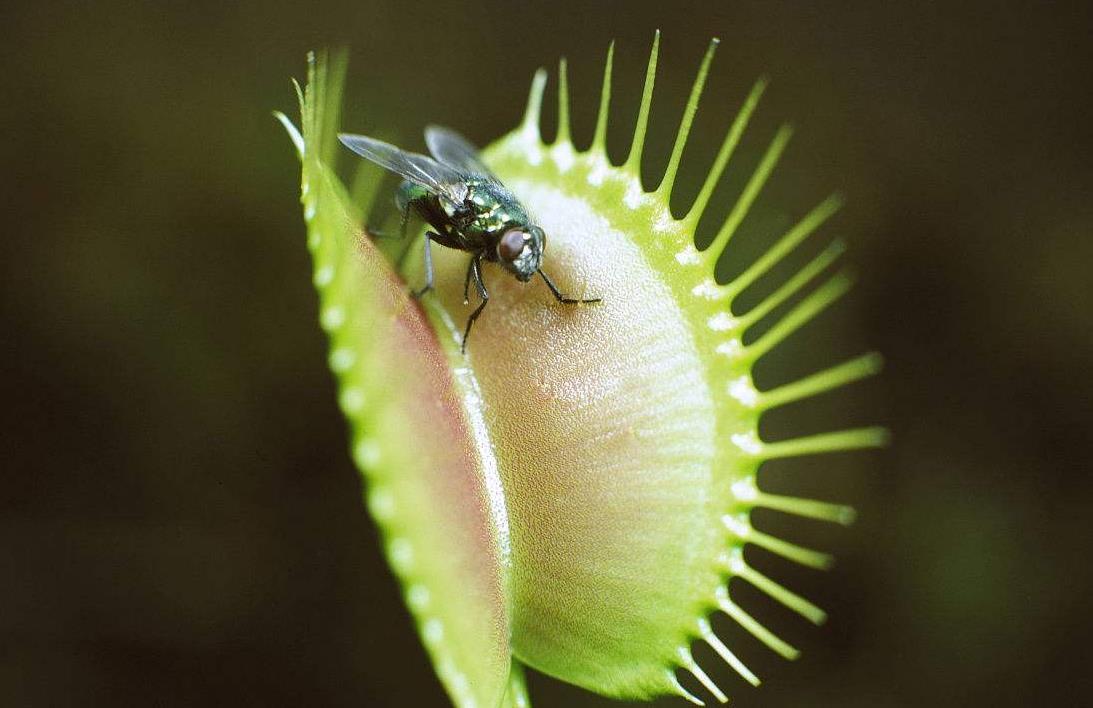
{"x":574,"y":494}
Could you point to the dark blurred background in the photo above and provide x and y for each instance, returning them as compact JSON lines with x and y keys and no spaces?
{"x":180,"y":523}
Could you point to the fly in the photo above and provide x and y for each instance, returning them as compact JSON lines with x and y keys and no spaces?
{"x":468,"y":208}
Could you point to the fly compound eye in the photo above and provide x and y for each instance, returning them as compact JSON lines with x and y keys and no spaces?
{"x":512,"y":244}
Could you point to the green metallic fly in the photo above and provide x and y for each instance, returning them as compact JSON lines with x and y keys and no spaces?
{"x":467,"y":206}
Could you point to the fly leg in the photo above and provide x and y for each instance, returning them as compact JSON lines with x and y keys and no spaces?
{"x":381,"y":234}
{"x":428,"y":258}
{"x":476,"y":271}
{"x":404,"y":219}
{"x":562,"y":298}
{"x":467,"y":281}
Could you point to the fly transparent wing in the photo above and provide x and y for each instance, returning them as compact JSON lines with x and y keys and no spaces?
{"x":453,"y":149}
{"x":441,"y":179}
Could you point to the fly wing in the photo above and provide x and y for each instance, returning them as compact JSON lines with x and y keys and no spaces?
{"x":453,"y":149}
{"x":440,"y":179}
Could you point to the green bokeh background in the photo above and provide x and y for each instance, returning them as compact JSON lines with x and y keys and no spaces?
{"x":180,"y":522}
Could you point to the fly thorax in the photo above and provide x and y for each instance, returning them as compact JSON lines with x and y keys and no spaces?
{"x":461,"y":213}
